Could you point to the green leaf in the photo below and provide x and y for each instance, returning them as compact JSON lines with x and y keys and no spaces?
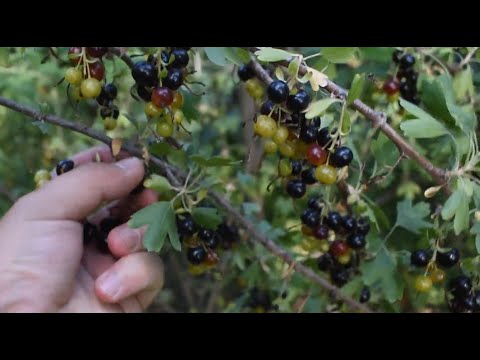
{"x":158,"y":183}
{"x":214,"y":161}
{"x":451,"y":205}
{"x":346,"y":123}
{"x":237,"y":55}
{"x":463,"y":84}
{"x":383,"y":270}
{"x":207,"y":217}
{"x":217,"y":55}
{"x":415,"y":110}
{"x":376,"y":214}
{"x":4,"y":56}
{"x":460,"y":222}
{"x":132,"y":119}
{"x":356,"y":89}
{"x":294,"y":66}
{"x":338,"y":55}
{"x":475,"y":230}
{"x":160,"y":219}
{"x":423,"y":128}
{"x":411,"y":217}
{"x":319,"y":107}
{"x":270,"y":54}
{"x":384,"y":151}
{"x":43,"y":126}
{"x":250,"y":208}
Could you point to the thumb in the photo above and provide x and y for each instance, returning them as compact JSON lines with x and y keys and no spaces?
{"x":74,"y":195}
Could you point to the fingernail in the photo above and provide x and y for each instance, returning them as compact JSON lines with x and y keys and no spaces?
{"x":130,"y":238}
{"x":129,"y":164}
{"x":110,"y":284}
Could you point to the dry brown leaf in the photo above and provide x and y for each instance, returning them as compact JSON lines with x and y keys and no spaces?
{"x":116,"y":146}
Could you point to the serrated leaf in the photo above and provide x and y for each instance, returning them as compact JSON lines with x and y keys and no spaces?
{"x":452,"y":204}
{"x":423,"y":128}
{"x":270,"y":54}
{"x":411,"y":217}
{"x":160,"y":219}
{"x":319,"y":107}
{"x":460,"y":222}
{"x":214,"y":161}
{"x":356,"y":89}
{"x":208,"y":218}
{"x":338,"y":55}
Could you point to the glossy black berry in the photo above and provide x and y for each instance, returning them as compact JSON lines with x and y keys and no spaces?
{"x":245,"y":73}
{"x":181,"y":58}
{"x":308,"y":176}
{"x":342,"y":156}
{"x":396,"y":56}
{"x":296,"y":188}
{"x":364,"y":295}
{"x":325,"y":262}
{"x":90,"y":233}
{"x":209,"y":238}
{"x":64,"y":166}
{"x":196,"y":255}
{"x":308,"y":134}
{"x":298,"y":102}
{"x":297,"y":119}
{"x":228,"y":234}
{"x":278,"y":91}
{"x":469,"y":303}
{"x":105,"y":112}
{"x":356,"y":241}
{"x":460,"y":286}
{"x":115,"y":113}
{"x":363,"y":226}
{"x":349,"y":223}
{"x":407,"y":61}
{"x":174,"y":79}
{"x":321,"y":232}
{"x":296,"y":167}
{"x":186,"y":226}
{"x":334,"y":220}
{"x":145,"y":73}
{"x":314,"y":203}
{"x":420,"y":257}
{"x":267,"y":107}
{"x":448,"y":259}
{"x":108,"y":93}
{"x":477,"y":300}
{"x":323,"y":136}
{"x":144,"y":93}
{"x":311,"y":218}
{"x":339,"y":277}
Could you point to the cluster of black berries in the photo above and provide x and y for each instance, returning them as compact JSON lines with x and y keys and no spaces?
{"x":406,"y":76}
{"x":463,"y":298}
{"x":108,"y":110}
{"x":202,"y":245}
{"x":340,"y":238}
{"x":157,"y":82}
{"x":260,"y":301}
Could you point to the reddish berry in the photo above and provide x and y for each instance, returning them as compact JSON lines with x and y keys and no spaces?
{"x":97,"y":70}
{"x":391,"y":86}
{"x":74,"y":55}
{"x":316,"y":155}
{"x":162,"y":97}
{"x":338,"y":248}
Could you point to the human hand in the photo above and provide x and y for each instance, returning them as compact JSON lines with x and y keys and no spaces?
{"x":44,"y":265}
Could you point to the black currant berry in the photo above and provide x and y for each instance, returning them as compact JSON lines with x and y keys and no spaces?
{"x":64,"y":166}
{"x":208,"y":237}
{"x":105,"y":112}
{"x":342,"y":156}
{"x":245,"y":73}
{"x":144,"y":93}
{"x":267,"y":108}
{"x":297,"y":119}
{"x":145,"y":73}
{"x":349,"y":223}
{"x":115,"y":113}
{"x":108,"y":93}
{"x":278,"y":91}
{"x":97,"y":52}
{"x":308,"y":176}
{"x":460,"y":286}
{"x":323,"y":136}
{"x":314,"y":203}
{"x":228,"y":234}
{"x":174,"y":79}
{"x":407,"y":61}
{"x":325,"y":262}
{"x":356,"y":241}
{"x":298,"y":102}
{"x":321,"y":232}
{"x":181,"y":58}
{"x":448,"y":259}
{"x":339,"y":277}
{"x":420,"y":257}
{"x":296,"y":167}
{"x":308,"y":134}
{"x":196,"y":255}
{"x":334,"y":220}
{"x":186,"y":226}
{"x":364,"y":295}
{"x":363,"y":226}
{"x":296,"y":188}
{"x":311,"y":218}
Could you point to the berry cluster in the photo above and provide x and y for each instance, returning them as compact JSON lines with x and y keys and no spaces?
{"x":310,"y":154}
{"x":157,"y":81}
{"x":341,"y":239}
{"x":422,"y":258}
{"x":204,"y":245}
{"x":405,"y":80}
{"x":463,"y":298}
